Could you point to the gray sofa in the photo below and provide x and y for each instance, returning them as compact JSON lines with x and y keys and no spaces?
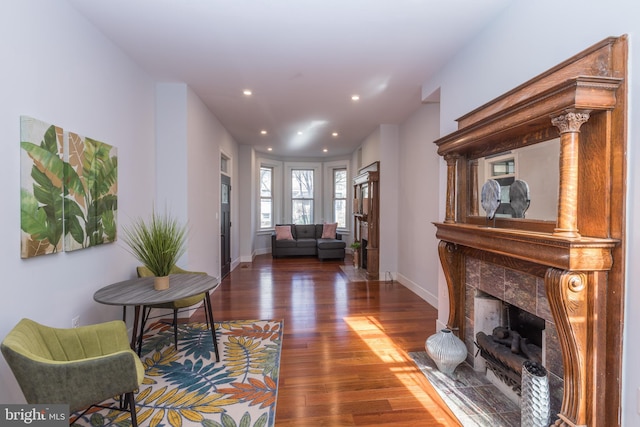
{"x":307,"y":240}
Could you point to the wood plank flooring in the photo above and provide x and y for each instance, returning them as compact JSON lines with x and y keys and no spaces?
{"x":344,"y":357}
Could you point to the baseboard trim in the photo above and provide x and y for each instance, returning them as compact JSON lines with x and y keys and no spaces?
{"x":416,"y":289}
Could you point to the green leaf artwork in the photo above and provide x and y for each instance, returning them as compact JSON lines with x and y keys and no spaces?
{"x":41,"y":185}
{"x":91,"y":185}
{"x":68,"y":195}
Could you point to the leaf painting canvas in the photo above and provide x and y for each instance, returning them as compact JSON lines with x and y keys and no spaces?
{"x":91,"y":188}
{"x":41,"y":187}
{"x":69,"y":190}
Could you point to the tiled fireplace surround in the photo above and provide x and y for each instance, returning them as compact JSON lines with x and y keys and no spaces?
{"x":524,"y":291}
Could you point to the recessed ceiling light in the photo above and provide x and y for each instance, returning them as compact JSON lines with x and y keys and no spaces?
{"x":355,"y":97}
{"x":247,"y":92}
{"x":299,"y":132}
{"x":269,"y":149}
{"x":324,"y":150}
{"x":263,"y":132}
{"x":335,"y":134}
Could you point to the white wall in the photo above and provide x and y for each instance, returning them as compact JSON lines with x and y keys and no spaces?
{"x":171,"y":154}
{"x":409,"y":194}
{"x":206,"y":139}
{"x":190,"y":141}
{"x":189,"y":144}
{"x":59,"y":69}
{"x":370,"y":150}
{"x":390,"y":211}
{"x":417,"y":190}
{"x":529,"y":38}
{"x":249,"y":242}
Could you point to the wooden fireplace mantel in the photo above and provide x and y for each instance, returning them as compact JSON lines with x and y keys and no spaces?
{"x":581,"y":254}
{"x":584,"y":254}
{"x":581,"y":93}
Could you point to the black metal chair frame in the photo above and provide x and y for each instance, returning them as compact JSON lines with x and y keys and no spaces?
{"x":127,"y":404}
{"x":146,"y":310}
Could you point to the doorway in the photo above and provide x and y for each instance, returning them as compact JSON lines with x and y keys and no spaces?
{"x":225,"y":225}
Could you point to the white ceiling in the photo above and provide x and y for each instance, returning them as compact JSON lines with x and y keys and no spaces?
{"x":302,"y":59}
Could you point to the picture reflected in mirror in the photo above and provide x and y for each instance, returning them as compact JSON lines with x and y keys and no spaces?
{"x":529,"y":180}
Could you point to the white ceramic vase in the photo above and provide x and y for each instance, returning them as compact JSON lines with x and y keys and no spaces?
{"x":446,"y":350}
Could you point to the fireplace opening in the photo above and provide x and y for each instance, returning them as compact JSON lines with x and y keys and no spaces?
{"x":515,"y":300}
{"x":519,"y":338}
{"x":363,"y":250}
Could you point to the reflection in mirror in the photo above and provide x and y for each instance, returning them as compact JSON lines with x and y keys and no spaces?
{"x":491,"y":200}
{"x":538,"y":166}
{"x":519,"y":197}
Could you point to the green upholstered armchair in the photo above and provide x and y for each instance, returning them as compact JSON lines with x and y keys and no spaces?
{"x":175,"y":305}
{"x":80,"y":367}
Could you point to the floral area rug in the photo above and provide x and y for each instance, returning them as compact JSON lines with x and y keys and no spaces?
{"x":188,"y":388}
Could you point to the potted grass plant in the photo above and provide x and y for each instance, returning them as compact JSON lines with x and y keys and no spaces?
{"x":158,"y":243}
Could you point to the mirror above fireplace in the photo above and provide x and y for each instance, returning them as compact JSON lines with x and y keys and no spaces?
{"x":537,"y":166}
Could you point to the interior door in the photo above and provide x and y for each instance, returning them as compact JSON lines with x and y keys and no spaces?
{"x":225,"y":225}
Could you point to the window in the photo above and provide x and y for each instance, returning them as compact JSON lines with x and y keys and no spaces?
{"x":504,"y":167}
{"x":503,"y":170}
{"x":223,"y":164}
{"x":340,"y":197}
{"x":302,"y":196}
{"x":266,"y":197}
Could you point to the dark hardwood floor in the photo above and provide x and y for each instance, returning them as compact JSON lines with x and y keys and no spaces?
{"x":344,"y":355}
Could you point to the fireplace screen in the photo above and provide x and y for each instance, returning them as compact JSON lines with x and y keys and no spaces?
{"x":509,"y":346}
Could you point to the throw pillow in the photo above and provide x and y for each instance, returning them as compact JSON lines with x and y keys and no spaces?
{"x":329,"y":231}
{"x":283,"y":232}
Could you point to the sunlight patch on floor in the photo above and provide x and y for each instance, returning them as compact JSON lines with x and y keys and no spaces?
{"x":372,"y":333}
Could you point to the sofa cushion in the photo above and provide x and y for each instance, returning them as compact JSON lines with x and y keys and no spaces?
{"x":306,"y":243}
{"x":329,"y":231}
{"x":331,"y":244}
{"x":283,"y":232}
{"x":286,"y":244}
{"x":305,"y":231}
{"x":293,"y":229}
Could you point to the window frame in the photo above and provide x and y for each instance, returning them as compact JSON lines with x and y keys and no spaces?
{"x":277,"y":168}
{"x":262,"y":198}
{"x":328,"y":183}
{"x":334,"y":197}
{"x":312,"y":199}
{"x":323,"y":191}
{"x":317,"y":184}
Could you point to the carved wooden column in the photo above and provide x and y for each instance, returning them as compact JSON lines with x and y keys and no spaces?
{"x":567,"y":295}
{"x":452,"y":262}
{"x":450,"y":213}
{"x":473,"y":191}
{"x":569,"y":126}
